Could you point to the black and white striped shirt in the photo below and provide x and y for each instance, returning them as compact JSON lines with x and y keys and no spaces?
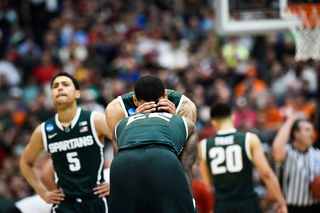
{"x":296,"y":172}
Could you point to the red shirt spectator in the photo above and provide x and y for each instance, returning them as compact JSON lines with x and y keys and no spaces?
{"x":45,"y":71}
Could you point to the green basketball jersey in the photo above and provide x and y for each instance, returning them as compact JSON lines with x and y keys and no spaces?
{"x":229,"y":160}
{"x":76,"y":152}
{"x":152,"y":130}
{"x":129,"y":108}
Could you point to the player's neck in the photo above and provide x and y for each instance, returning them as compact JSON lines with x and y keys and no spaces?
{"x":225,"y":126}
{"x":299,"y":146}
{"x":67,"y":114}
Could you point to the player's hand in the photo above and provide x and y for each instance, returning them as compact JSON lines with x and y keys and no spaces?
{"x":166,"y":105}
{"x":103,"y":189}
{"x":53,"y":197}
{"x":283,"y":209}
{"x":147,"y":107}
{"x":290,"y":113}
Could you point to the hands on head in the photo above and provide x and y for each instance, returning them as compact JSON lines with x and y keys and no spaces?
{"x":162,"y":105}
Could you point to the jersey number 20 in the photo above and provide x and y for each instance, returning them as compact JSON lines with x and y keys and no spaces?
{"x":232,"y":155}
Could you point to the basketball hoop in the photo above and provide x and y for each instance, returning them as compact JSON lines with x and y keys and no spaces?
{"x":304,"y":23}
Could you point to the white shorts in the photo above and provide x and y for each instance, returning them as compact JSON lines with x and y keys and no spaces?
{"x":33,"y":204}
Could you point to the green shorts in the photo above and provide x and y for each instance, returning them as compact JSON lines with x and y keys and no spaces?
{"x":78,"y":205}
{"x":248,"y":205}
{"x":148,"y":180}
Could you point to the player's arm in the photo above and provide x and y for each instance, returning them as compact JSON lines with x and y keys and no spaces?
{"x":282,"y":137}
{"x":267,"y":174}
{"x":47,"y":175}
{"x":203,"y":167}
{"x":114,"y":114}
{"x":115,"y":143}
{"x":27,"y":166}
{"x":188,"y":155}
{"x":101,"y":126}
{"x":102,"y":129}
{"x":188,"y":109}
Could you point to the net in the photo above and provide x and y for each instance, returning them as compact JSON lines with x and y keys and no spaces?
{"x":304,"y":24}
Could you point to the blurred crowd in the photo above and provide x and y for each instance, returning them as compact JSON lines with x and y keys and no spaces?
{"x":107,"y":45}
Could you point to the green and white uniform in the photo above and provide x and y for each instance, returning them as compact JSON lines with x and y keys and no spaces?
{"x":77,"y":156}
{"x":229,"y":160}
{"x":146,"y":174}
{"x":129,"y":107}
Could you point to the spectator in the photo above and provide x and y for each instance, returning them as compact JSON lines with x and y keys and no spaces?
{"x":9,"y":74}
{"x":46,"y":69}
{"x":271,"y":116}
{"x":234,"y":52}
{"x":245,"y":118}
{"x":88,"y":101}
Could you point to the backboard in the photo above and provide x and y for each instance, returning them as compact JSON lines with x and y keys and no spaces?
{"x":236,"y":17}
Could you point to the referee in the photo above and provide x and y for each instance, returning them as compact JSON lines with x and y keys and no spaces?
{"x":297,"y":163}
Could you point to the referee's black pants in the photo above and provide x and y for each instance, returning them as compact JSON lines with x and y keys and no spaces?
{"x":306,"y":209}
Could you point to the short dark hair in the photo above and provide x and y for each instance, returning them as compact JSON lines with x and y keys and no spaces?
{"x":149,"y":88}
{"x":220,"y":111}
{"x":73,"y":79}
{"x":296,"y":127}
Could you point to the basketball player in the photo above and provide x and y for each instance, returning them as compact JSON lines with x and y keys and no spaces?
{"x":173,"y":102}
{"x":226,"y":160}
{"x":74,"y":138}
{"x":157,"y":151}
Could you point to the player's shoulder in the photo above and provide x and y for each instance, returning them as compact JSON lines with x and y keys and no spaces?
{"x":253,"y":136}
{"x":48,"y":125}
{"x":125,"y":120}
{"x":186,"y":120}
{"x":50,"y":120}
{"x":205,"y":141}
{"x":39,"y":128}
{"x":128,"y":95}
{"x":38,"y":132}
{"x":173,"y":93}
{"x":85,"y":112}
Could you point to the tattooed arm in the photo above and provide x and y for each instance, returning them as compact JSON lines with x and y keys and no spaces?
{"x":188,"y":155}
{"x":188,"y":109}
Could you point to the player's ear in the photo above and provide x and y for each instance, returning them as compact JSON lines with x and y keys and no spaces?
{"x":233,"y":117}
{"x":77,"y":94}
{"x":214,"y":124}
{"x":135,"y":100}
{"x":166,"y":94}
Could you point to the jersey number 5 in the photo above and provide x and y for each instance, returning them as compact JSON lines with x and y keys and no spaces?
{"x":232,"y":155}
{"x":74,"y":161}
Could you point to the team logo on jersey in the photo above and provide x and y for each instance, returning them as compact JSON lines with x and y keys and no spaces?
{"x":131,"y":111}
{"x":315,"y":161}
{"x":84,"y":129}
{"x":83,"y":123}
{"x":49,"y":127}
